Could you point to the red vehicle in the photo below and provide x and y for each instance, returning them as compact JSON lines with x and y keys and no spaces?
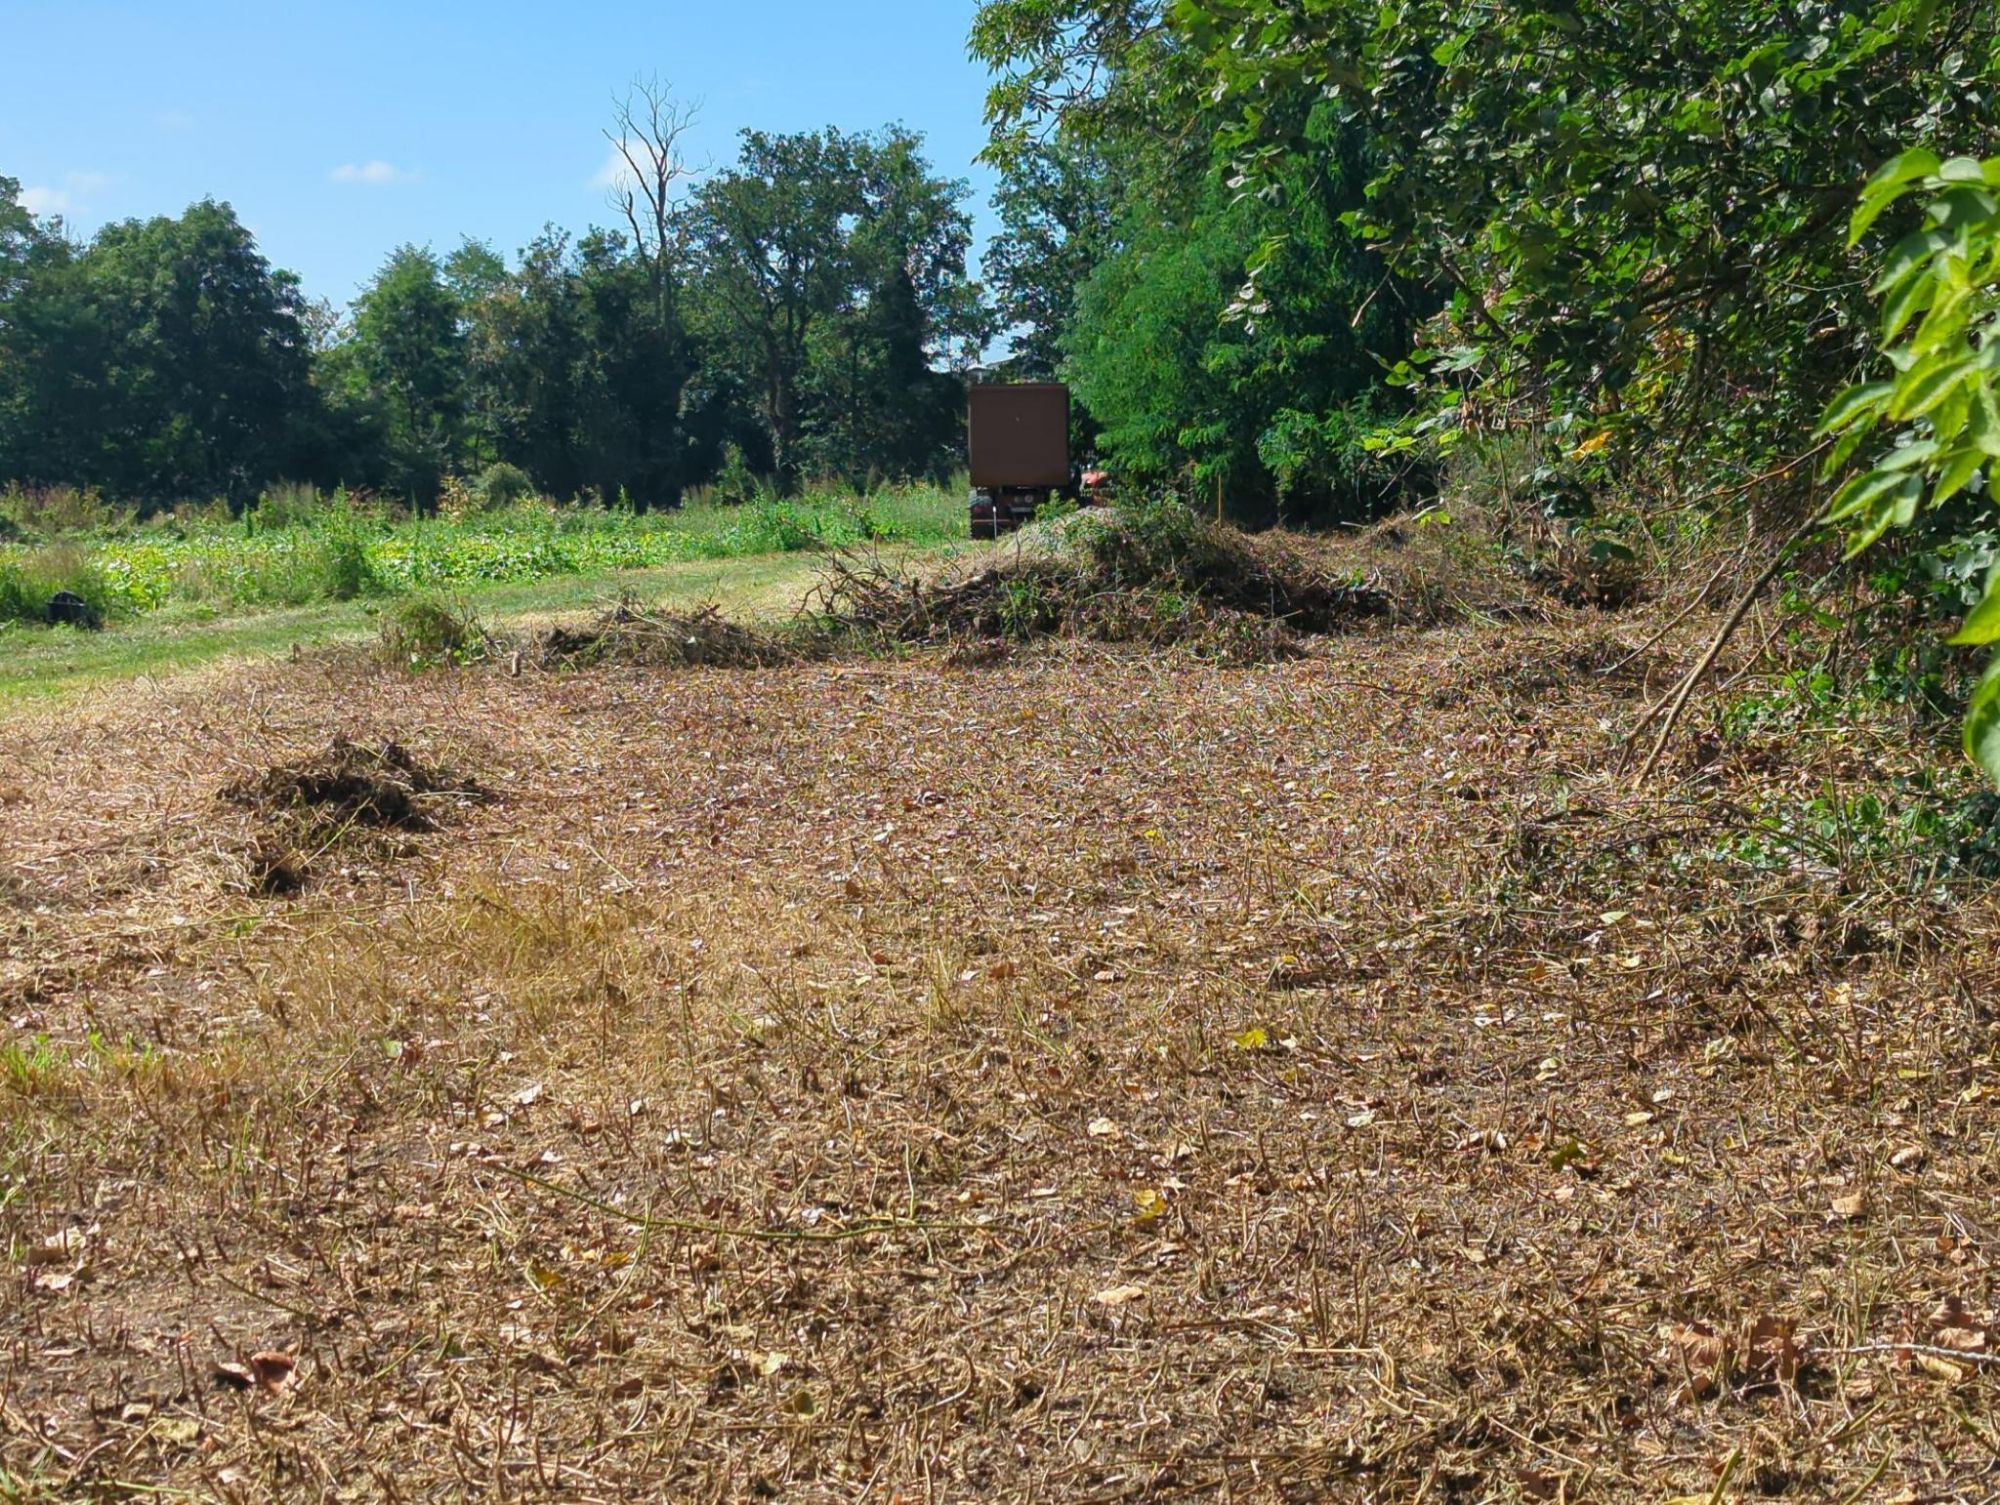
{"x":1018,"y":439}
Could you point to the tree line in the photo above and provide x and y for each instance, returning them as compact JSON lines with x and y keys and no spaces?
{"x":804,"y":311}
{"x":1315,"y":249}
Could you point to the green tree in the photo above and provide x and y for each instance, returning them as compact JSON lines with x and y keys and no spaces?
{"x":1055,"y":201}
{"x":165,"y":360}
{"x":771,"y":234}
{"x":833,"y":282}
{"x":409,"y":351}
{"x":884,"y":394}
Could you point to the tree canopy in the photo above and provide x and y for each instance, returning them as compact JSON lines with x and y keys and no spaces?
{"x":808,"y":305}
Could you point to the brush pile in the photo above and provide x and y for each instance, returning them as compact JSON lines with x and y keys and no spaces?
{"x":310,"y":807}
{"x":1155,"y":575}
{"x":630,"y":636}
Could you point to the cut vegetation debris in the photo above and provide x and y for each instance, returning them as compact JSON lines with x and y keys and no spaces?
{"x":337,"y":799}
{"x":1109,"y":1076}
{"x":634,"y":637}
{"x":352,"y":785}
{"x":1156,"y":574}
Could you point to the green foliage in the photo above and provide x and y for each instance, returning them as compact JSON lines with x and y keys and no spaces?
{"x":831,"y":276}
{"x":51,"y":512}
{"x":297,"y":547}
{"x":423,"y":630}
{"x":1940,"y":294}
{"x":503,"y":485}
{"x":32,"y":578}
{"x":821,"y":328}
{"x":163,"y":361}
{"x":1623,"y":217}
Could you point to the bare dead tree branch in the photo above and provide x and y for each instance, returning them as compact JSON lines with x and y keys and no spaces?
{"x":648,"y":126}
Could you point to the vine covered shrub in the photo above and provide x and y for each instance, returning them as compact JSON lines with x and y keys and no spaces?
{"x":1938,"y":406}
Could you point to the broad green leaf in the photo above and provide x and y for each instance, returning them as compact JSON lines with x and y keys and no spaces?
{"x":1908,"y":456}
{"x":1881,"y":513}
{"x":1983,"y":428}
{"x":1927,"y":386}
{"x":1861,"y":492}
{"x":1982,"y":724}
{"x":1963,"y":170}
{"x":1948,"y":417}
{"x":1910,"y":253}
{"x":1855,"y":403}
{"x":1905,"y":167}
{"x":1956,"y":474}
{"x":1911,"y":299}
{"x":1982,"y":623}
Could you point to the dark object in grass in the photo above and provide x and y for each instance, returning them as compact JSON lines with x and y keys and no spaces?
{"x":68,"y":609}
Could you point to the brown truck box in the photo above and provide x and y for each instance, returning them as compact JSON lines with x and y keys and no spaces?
{"x":1019,"y":436}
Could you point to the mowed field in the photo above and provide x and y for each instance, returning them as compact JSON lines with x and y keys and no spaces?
{"x":1092,"y":1075}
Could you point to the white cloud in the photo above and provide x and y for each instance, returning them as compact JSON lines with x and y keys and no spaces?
{"x":43,"y":200}
{"x":372,"y":174}
{"x":616,"y":171}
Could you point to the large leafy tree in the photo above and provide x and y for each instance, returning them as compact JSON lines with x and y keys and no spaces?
{"x":884,"y":396}
{"x":833,"y":282}
{"x":1129,"y":241}
{"x":1055,"y":201}
{"x":1637,"y":208}
{"x":165,"y":360}
{"x":408,"y":353}
{"x":771,"y":233}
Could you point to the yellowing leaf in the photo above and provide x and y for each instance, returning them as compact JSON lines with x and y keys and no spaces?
{"x":1252,"y":1039}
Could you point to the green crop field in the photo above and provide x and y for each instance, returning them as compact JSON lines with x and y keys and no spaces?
{"x":181,"y":593}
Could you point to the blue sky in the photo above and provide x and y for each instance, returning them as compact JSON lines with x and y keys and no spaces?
{"x":341,"y":131}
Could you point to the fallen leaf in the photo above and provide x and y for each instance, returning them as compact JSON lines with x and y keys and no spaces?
{"x":1362,"y":1119}
{"x":1120,"y":1296}
{"x":274,"y":1370}
{"x":768,"y":1364}
{"x":1151,"y":1204}
{"x":1252,"y":1039}
{"x":1700,"y":1353}
{"x":528,"y":1096}
{"x":1537,"y":1486}
{"x":1773,"y":1352}
{"x":1851,"y":1208}
{"x":1102,"y":1128}
{"x":57,"y":1248}
{"x":1909,"y":1158}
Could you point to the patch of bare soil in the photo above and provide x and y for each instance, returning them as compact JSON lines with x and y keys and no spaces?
{"x":1112,"y":1075}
